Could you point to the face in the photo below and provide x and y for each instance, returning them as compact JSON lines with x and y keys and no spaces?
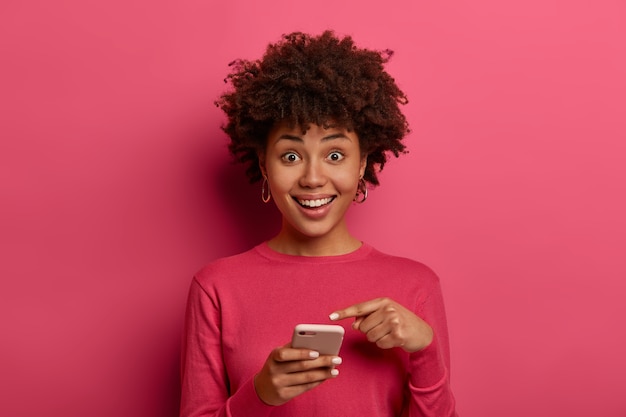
{"x":313,"y":178}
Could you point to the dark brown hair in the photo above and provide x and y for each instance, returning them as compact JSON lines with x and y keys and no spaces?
{"x":322,"y":80}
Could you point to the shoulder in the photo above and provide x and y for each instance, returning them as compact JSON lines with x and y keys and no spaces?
{"x":395,"y":261}
{"x":228,"y":268}
{"x":399,"y":266}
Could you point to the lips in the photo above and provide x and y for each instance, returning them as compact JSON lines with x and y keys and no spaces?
{"x":314,"y":203}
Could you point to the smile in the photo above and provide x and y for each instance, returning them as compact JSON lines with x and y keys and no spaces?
{"x":315,"y":203}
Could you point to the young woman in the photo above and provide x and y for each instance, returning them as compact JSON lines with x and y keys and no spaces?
{"x":315,"y":120}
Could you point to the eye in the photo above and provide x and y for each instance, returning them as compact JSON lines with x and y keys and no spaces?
{"x":335,"y":156}
{"x":290,"y":157}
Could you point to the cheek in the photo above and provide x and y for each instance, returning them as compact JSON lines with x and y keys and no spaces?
{"x":348,"y":181}
{"x":280,"y":181}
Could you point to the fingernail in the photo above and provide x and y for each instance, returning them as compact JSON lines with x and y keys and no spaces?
{"x":337,"y":360}
{"x":313,"y":354}
{"x":334,"y":372}
{"x":333,"y":316}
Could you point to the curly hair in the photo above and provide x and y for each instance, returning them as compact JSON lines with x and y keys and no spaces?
{"x":323,"y":80}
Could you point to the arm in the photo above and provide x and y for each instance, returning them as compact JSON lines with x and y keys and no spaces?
{"x":205,"y":391}
{"x":429,"y":383}
{"x":423,"y":334}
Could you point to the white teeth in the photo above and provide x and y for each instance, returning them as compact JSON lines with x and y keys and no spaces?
{"x":315,"y":203}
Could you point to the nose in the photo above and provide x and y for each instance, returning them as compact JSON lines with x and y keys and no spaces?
{"x":313,"y":174}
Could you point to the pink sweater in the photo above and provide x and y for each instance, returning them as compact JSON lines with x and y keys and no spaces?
{"x":242,"y":307}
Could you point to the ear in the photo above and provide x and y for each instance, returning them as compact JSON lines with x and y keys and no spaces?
{"x":261,"y":158}
{"x":363,"y":166}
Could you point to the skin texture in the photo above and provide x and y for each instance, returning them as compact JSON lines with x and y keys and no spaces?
{"x":289,"y":372}
{"x":319,"y":164}
{"x":323,"y":164}
{"x":388,"y":324}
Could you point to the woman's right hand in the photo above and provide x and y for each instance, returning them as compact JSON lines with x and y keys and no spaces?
{"x":289,"y":372}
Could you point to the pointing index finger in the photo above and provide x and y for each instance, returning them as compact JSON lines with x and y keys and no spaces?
{"x":356,"y":310}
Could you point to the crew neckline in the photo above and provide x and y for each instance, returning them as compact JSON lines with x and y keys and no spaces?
{"x":267,"y":252}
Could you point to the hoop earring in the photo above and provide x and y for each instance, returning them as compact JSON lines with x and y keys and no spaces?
{"x":362,"y":190}
{"x":269,"y":195}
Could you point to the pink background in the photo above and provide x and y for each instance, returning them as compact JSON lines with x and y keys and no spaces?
{"x":116,"y":187}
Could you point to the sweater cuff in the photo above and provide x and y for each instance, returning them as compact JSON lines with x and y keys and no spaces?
{"x":427,"y":366}
{"x":246,"y":402}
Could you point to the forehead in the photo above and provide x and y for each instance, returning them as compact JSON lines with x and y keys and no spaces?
{"x":312,"y":130}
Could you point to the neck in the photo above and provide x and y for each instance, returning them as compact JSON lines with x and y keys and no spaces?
{"x":290,"y":242}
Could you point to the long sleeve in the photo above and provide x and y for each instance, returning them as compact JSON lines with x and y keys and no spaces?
{"x":240,"y":308}
{"x":429,"y":369}
{"x":205,"y":386}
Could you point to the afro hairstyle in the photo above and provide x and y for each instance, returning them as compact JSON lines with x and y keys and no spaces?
{"x":322,"y":80}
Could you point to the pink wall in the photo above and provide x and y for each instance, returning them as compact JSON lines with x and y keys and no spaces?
{"x":116,"y":188}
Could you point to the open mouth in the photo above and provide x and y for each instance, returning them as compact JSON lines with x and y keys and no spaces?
{"x":314,"y":203}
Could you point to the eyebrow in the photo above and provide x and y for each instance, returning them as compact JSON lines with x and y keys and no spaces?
{"x":324,"y":139}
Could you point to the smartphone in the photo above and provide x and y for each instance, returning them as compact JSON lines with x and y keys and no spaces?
{"x":323,"y":338}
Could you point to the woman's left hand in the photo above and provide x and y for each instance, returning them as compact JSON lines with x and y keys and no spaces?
{"x":388,"y":324}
